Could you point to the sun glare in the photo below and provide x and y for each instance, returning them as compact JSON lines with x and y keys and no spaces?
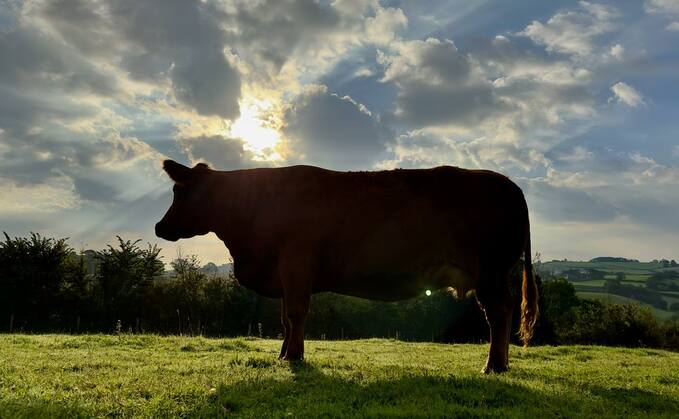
{"x":253,"y":128}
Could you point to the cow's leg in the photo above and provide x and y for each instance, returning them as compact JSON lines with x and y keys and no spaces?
{"x":497,"y":305}
{"x":286,"y":329}
{"x":296,"y":270}
{"x":296,"y":310}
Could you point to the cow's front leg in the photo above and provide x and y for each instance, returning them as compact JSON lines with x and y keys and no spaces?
{"x":286,"y":329}
{"x":296,"y":308}
{"x":296,"y":270}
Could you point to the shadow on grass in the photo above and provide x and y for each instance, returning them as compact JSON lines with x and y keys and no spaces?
{"x":30,"y":408}
{"x":314,"y":393}
{"x":324,"y":390}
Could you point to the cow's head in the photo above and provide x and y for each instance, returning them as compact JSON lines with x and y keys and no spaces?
{"x":188,"y":215}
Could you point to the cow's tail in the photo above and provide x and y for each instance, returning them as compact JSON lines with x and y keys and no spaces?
{"x":529,"y":291}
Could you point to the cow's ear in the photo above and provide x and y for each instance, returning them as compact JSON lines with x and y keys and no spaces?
{"x":177,"y":172}
{"x":201,"y":166}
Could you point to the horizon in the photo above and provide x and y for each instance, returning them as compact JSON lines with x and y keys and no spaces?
{"x":575,"y":102}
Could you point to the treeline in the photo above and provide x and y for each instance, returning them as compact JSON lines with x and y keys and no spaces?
{"x":567,"y":319}
{"x":46,"y":286}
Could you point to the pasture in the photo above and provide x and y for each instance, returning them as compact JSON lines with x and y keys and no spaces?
{"x":152,"y":376}
{"x":592,"y":285}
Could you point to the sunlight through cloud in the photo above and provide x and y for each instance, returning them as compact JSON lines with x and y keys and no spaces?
{"x":256,"y":126}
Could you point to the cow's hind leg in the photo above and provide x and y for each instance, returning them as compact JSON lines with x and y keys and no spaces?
{"x":286,"y":329}
{"x":497,"y":304}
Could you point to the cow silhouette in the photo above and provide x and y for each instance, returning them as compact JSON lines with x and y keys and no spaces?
{"x":385,"y":235}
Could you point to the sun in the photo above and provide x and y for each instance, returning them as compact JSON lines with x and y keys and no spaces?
{"x":256,"y":128}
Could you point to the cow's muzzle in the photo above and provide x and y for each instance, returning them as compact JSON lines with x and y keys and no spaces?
{"x":164,"y":233}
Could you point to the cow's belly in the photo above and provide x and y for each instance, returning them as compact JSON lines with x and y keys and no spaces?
{"x":404,"y":260}
{"x":395,"y":285}
{"x":263,"y":280}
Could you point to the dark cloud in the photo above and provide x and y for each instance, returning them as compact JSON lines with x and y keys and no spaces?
{"x":39,"y":58}
{"x":222,"y":153}
{"x":182,"y":39}
{"x":154,"y":40}
{"x":334,"y":131}
{"x":82,"y":24}
{"x":270,"y":31}
{"x":440,"y":86}
{"x":422,"y":104}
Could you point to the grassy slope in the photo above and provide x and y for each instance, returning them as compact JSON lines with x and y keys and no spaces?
{"x":58,"y":375}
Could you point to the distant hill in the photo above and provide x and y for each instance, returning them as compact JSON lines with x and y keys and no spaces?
{"x":654,"y":283}
{"x":612,"y":259}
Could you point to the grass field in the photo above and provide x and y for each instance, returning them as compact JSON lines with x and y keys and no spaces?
{"x":150,"y":376}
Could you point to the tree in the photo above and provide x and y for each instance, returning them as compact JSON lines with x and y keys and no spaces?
{"x":124,"y":275}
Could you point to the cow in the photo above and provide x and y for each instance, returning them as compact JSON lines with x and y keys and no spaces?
{"x":384,"y":235}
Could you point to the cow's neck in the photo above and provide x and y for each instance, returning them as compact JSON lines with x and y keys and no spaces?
{"x":234,"y":206}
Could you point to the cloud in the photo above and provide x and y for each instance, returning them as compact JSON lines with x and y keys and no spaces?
{"x":280,"y":41}
{"x":662,"y":6}
{"x":439,"y":86}
{"x":337,"y":132}
{"x":499,"y":104}
{"x":573,"y":32}
{"x":665,"y":8}
{"x":56,"y":194}
{"x":617,"y":51}
{"x":222,"y":153}
{"x":181,"y":40}
{"x":627,"y":94}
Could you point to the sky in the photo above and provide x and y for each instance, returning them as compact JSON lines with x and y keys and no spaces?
{"x":577,"y":102}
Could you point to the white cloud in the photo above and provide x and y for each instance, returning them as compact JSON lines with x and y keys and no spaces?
{"x":627,"y":94}
{"x":665,"y":8}
{"x":617,"y":51}
{"x":57,"y":194}
{"x":573,"y":32}
{"x":662,"y":6}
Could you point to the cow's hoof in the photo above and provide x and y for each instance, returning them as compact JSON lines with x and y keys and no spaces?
{"x":497,"y":369}
{"x":293,"y":358}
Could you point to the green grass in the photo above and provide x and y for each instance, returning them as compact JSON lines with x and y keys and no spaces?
{"x":150,"y":376}
{"x":637,"y":277}
{"x":589,"y":282}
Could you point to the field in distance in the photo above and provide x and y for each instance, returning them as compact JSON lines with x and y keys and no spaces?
{"x":616,"y":280}
{"x":151,"y":376}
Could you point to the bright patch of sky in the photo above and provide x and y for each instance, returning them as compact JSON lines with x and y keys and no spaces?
{"x":575,"y":101}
